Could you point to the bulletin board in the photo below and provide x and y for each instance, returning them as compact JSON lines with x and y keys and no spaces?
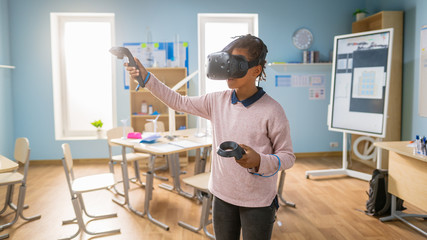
{"x":360,"y":82}
{"x":422,"y":96}
{"x":158,"y":54}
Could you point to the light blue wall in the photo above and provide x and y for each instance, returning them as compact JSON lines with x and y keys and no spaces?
{"x":307,"y":118}
{"x":415,"y":17}
{"x":6,"y":113}
{"x":32,"y":79}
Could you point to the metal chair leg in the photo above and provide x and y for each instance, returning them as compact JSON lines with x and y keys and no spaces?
{"x":78,"y":218}
{"x":280,"y":190}
{"x":83,"y":207}
{"x":206,"y":212}
{"x":19,"y":210}
{"x":111,"y":166}
{"x":21,"y":201}
{"x":103,"y":233}
{"x":137,"y":173}
{"x":161,"y":168}
{"x":71,"y":221}
{"x":8,"y":198}
{"x":204,"y":219}
{"x":82,"y":227}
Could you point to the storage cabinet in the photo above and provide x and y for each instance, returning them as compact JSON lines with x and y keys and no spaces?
{"x":170,"y":77}
{"x":381,"y":20}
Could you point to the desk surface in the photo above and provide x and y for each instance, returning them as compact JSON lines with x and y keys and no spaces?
{"x":401,"y":147}
{"x":184,"y":141}
{"x":7,"y":165}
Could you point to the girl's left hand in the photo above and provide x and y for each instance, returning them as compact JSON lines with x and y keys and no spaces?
{"x":249,"y":160}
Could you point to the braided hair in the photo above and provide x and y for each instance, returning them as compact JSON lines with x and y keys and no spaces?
{"x":256,"y":50}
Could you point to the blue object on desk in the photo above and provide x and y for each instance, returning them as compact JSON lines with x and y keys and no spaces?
{"x":150,"y":139}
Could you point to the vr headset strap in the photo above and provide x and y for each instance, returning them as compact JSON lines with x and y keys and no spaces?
{"x":253,"y":63}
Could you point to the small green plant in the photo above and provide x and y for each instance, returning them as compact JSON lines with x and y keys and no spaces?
{"x":358,"y":10}
{"x":97,"y":124}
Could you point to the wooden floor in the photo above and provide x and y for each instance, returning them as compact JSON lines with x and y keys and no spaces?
{"x":326,"y":208}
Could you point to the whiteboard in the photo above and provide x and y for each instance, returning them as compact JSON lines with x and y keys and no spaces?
{"x":360,"y":82}
{"x":422,"y":96}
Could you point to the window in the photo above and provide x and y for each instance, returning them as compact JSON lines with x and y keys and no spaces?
{"x":215,"y":32}
{"x":83,"y":73}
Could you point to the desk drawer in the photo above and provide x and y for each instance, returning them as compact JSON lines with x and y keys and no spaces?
{"x":408,"y":179}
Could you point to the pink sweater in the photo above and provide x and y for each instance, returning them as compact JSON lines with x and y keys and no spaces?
{"x":263,"y":126}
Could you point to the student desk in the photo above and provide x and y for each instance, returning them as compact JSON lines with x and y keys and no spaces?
{"x":184,"y":141}
{"x":407,"y":179}
{"x":7,"y":165}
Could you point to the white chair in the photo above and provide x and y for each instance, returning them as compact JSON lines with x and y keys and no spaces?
{"x":78,"y":186}
{"x":130,"y":157}
{"x":9,"y":179}
{"x":200,"y":182}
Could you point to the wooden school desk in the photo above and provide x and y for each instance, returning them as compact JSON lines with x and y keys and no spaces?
{"x":407,"y":179}
{"x":185,"y":141}
{"x":7,"y":165}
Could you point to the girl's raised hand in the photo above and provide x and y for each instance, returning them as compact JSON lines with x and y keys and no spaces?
{"x":134,"y":72}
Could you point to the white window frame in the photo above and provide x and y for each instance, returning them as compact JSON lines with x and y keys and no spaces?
{"x":202,"y":20}
{"x":58,"y":72}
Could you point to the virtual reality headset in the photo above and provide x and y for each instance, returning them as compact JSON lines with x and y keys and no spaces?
{"x":223,"y":65}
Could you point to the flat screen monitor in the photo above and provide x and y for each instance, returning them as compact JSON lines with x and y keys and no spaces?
{"x":360,"y":82}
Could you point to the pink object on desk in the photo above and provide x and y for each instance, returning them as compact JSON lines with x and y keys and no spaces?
{"x":135,"y":135}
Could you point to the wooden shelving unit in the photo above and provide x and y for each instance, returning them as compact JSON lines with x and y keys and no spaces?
{"x":381,"y":20}
{"x":170,"y":77}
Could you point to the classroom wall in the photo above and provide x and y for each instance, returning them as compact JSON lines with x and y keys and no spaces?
{"x":6,"y":113}
{"x":414,"y":19}
{"x":31,"y":53}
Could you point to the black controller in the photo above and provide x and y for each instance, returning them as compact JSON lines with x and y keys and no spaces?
{"x":230,"y":149}
{"x":120,"y":52}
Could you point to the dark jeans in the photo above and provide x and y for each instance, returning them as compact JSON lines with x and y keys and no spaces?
{"x":256,"y":223}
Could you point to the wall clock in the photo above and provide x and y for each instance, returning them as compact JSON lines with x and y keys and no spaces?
{"x":302,"y":39}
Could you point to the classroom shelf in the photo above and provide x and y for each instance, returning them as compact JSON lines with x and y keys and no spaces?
{"x":298,"y":67}
{"x":170,"y":77}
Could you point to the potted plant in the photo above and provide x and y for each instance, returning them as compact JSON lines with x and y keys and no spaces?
{"x":98,"y":124}
{"x":360,"y":13}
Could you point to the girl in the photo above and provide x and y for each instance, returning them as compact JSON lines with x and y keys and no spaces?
{"x":245,"y":195}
